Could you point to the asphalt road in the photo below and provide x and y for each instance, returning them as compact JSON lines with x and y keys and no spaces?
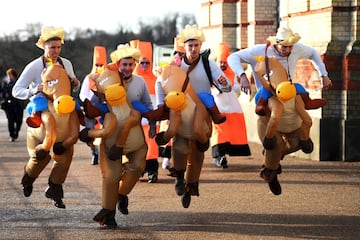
{"x":320,"y":200}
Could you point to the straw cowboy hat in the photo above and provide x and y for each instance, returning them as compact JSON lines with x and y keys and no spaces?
{"x":125,"y":51}
{"x":284,"y":37}
{"x":48,"y":33}
{"x":191,"y":32}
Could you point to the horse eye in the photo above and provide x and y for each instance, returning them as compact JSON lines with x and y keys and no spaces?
{"x":266,"y":75}
{"x":53,"y":82}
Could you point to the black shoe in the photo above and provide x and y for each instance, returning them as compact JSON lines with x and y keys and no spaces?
{"x":193,"y":188}
{"x":111,"y":223}
{"x":270,"y":176}
{"x":106,"y":218}
{"x":223,"y":162}
{"x":180,"y":183}
{"x":186,"y":199}
{"x":95,"y":159}
{"x":59,"y":204}
{"x":56,"y":193}
{"x":220,"y":161}
{"x":275,"y":186}
{"x":123,"y":203}
{"x":27,"y":190}
{"x":153,"y":177}
{"x":27,"y":183}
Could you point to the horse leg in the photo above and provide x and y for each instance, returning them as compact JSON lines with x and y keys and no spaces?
{"x":74,"y":131}
{"x":276,"y":109}
{"x":116,"y":151}
{"x":163,"y":138}
{"x":49,"y":123}
{"x":306,"y":143}
{"x":272,"y":165}
{"x":202,"y":128}
{"x":132,"y":172}
{"x":109,"y":126}
{"x":180,"y":153}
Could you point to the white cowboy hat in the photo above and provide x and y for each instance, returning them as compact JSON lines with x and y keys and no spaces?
{"x":284,"y":37}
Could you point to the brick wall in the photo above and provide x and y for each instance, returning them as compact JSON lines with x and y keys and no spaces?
{"x":332,"y":28}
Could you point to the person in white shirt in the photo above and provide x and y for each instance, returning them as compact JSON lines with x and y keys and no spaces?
{"x":286,"y":48}
{"x":28,"y":86}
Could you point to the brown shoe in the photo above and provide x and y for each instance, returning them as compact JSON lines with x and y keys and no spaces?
{"x":216,"y":116}
{"x":91,"y":111}
{"x":261,"y":107}
{"x":312,"y":103}
{"x":159,"y":114}
{"x":34,"y":121}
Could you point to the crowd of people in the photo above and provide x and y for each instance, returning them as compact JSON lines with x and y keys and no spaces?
{"x":215,"y":84}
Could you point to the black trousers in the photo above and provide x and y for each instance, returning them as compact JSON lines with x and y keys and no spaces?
{"x":15,"y":120}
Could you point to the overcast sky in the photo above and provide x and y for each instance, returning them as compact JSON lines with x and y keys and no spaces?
{"x":105,"y":15}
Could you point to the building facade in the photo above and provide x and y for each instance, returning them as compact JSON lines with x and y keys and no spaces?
{"x":332,"y":28}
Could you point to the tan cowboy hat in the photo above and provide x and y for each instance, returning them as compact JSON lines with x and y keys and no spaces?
{"x":48,"y":33}
{"x":125,"y":51}
{"x":284,"y":37}
{"x":191,"y":32}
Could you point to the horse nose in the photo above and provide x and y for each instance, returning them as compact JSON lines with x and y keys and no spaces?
{"x":64,"y":104}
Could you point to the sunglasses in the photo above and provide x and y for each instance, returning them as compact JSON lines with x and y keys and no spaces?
{"x":143,"y":63}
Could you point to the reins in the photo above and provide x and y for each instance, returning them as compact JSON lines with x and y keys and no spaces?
{"x":267,"y":67}
{"x":192,"y":66}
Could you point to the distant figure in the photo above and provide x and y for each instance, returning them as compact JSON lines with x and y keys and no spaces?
{"x":229,"y":137}
{"x":13,"y":107}
{"x":144,"y":69}
{"x":87,"y":94}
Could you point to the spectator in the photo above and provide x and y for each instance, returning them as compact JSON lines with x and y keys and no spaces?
{"x":13,"y":107}
{"x":87,"y":94}
{"x":144,"y":69}
{"x":229,"y":137}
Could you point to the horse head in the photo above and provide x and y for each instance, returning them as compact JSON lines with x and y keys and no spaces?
{"x":110,"y":88}
{"x":189,"y":116}
{"x":57,"y":88}
{"x":174,"y":87}
{"x":274,"y":77}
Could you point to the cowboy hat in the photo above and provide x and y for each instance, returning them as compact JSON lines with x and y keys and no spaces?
{"x":48,"y":33}
{"x":125,"y":51}
{"x":191,"y":32}
{"x":284,"y":37}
